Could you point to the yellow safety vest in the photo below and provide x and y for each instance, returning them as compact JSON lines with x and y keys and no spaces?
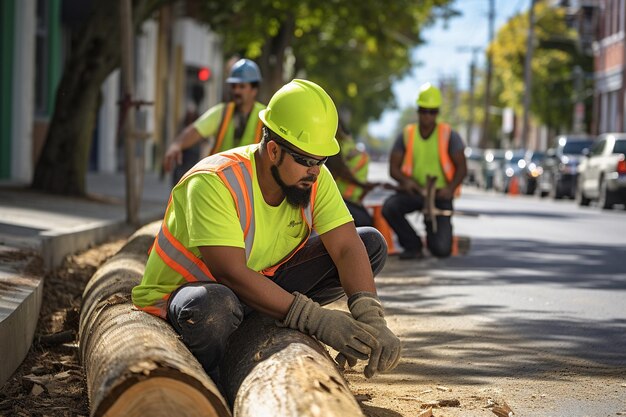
{"x":235,"y":171}
{"x":447,"y":166}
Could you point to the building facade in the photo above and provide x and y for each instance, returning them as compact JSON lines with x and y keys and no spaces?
{"x":609,"y":110}
{"x":177,"y":60}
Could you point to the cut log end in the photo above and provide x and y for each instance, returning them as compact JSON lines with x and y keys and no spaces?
{"x":145,"y":398}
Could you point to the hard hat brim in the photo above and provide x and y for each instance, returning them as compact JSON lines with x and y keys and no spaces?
{"x":318,"y":150}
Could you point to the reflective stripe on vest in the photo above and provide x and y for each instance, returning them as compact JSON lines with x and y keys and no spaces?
{"x":236,"y":173}
{"x":444,"y":157}
{"x":351,"y":188}
{"x":227,"y":116}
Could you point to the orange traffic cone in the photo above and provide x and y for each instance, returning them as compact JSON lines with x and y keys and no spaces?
{"x":383,"y":227}
{"x":460,"y":245}
{"x":514,"y":186}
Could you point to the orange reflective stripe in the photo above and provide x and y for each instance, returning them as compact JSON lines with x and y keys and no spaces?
{"x":221,"y":133}
{"x":159,"y":308}
{"x":407,"y":164}
{"x":258,"y":133}
{"x":194,"y":269}
{"x":248,"y":204}
{"x":349,"y":191}
{"x":444,"y":156}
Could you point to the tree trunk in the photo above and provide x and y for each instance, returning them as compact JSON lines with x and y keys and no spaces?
{"x":272,"y":371}
{"x":272,"y":59}
{"x":136,"y":365}
{"x":95,"y":53}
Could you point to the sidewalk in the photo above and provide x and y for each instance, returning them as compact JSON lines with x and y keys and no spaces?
{"x":54,"y":227}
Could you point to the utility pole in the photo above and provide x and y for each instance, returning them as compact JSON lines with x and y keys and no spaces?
{"x":528,"y":72}
{"x":128,"y":112}
{"x":485,"y":142}
{"x":579,"y":105}
{"x":470,"y":123}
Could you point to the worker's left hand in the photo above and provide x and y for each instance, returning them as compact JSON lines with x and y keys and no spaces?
{"x":366,"y":308}
{"x":445,"y":193}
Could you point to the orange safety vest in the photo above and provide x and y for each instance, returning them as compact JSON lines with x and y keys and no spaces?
{"x":445,"y":161}
{"x":235,"y":171}
{"x":227,"y":116}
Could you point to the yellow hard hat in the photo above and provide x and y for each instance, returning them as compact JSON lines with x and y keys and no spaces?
{"x":429,"y":97}
{"x":303,"y":114}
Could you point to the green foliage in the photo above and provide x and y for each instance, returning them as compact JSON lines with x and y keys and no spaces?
{"x":355,"y":49}
{"x":554,"y":58}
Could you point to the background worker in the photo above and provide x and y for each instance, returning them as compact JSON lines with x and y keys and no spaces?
{"x":425,"y":149}
{"x":236,"y":237}
{"x":231,"y":124}
{"x":349,"y":168}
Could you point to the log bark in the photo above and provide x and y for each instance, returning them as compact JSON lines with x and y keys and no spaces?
{"x":274,"y":371}
{"x":135,"y":363}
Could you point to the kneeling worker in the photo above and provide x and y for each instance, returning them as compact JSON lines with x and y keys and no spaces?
{"x":237,"y":237}
{"x":428,"y":149}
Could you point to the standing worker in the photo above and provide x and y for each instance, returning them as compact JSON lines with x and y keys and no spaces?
{"x":422,"y":150}
{"x":349,"y":168}
{"x":231,"y":124}
{"x":237,"y":236}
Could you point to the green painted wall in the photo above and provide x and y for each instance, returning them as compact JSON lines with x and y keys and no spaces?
{"x":7,"y":27}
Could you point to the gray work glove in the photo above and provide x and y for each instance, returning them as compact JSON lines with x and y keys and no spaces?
{"x":335,"y":328}
{"x":366,"y":308}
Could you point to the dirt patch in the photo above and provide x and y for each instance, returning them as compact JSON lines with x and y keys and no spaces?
{"x":51,"y":381}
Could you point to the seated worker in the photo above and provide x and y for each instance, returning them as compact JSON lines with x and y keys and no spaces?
{"x":349,"y":168}
{"x":426,"y":149}
{"x":237,"y":236}
{"x":231,"y":124}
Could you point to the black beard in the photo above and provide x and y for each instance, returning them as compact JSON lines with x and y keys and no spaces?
{"x":295,"y":196}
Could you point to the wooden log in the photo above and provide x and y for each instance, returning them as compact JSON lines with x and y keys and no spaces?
{"x":272,"y":371}
{"x":135,"y":363}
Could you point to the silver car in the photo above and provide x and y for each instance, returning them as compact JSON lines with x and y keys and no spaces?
{"x":602,"y":173}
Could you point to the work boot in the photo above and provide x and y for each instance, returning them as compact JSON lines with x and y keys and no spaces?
{"x":411,"y":254}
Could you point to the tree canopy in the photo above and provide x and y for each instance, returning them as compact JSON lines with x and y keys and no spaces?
{"x":553,"y":64}
{"x":355,"y":49}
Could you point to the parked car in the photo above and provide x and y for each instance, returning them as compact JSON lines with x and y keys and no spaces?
{"x":602,"y":174}
{"x":510,"y":167}
{"x":474,"y":157}
{"x":560,"y":166}
{"x":531,"y":171}
{"x":492,"y":159}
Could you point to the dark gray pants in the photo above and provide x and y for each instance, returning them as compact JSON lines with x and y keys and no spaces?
{"x":206,"y":314}
{"x":397,"y":206}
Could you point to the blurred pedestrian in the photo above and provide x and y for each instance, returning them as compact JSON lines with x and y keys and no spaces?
{"x":230,"y":124}
{"x":349,"y":168}
{"x":422,"y":150}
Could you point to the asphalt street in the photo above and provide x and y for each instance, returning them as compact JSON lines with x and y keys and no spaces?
{"x":537,"y":308}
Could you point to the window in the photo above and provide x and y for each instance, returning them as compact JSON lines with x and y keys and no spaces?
{"x":620,"y":146}
{"x":598,"y":147}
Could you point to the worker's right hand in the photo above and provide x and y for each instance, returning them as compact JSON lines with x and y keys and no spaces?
{"x":411,"y":187}
{"x":173,"y":157}
{"x":337,"y":329}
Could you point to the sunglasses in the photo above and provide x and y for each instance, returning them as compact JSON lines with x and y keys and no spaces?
{"x":307,"y":161}
{"x":428,"y":111}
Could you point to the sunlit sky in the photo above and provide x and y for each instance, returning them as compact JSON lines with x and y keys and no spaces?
{"x":440,"y":56}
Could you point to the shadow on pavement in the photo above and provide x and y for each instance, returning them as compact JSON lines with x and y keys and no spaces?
{"x":466,"y":323}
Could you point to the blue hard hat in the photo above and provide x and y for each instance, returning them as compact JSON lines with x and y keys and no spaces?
{"x":244,"y":71}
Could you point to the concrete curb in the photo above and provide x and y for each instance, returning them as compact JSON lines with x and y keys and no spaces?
{"x":20,"y":302}
{"x":20,"y":298}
